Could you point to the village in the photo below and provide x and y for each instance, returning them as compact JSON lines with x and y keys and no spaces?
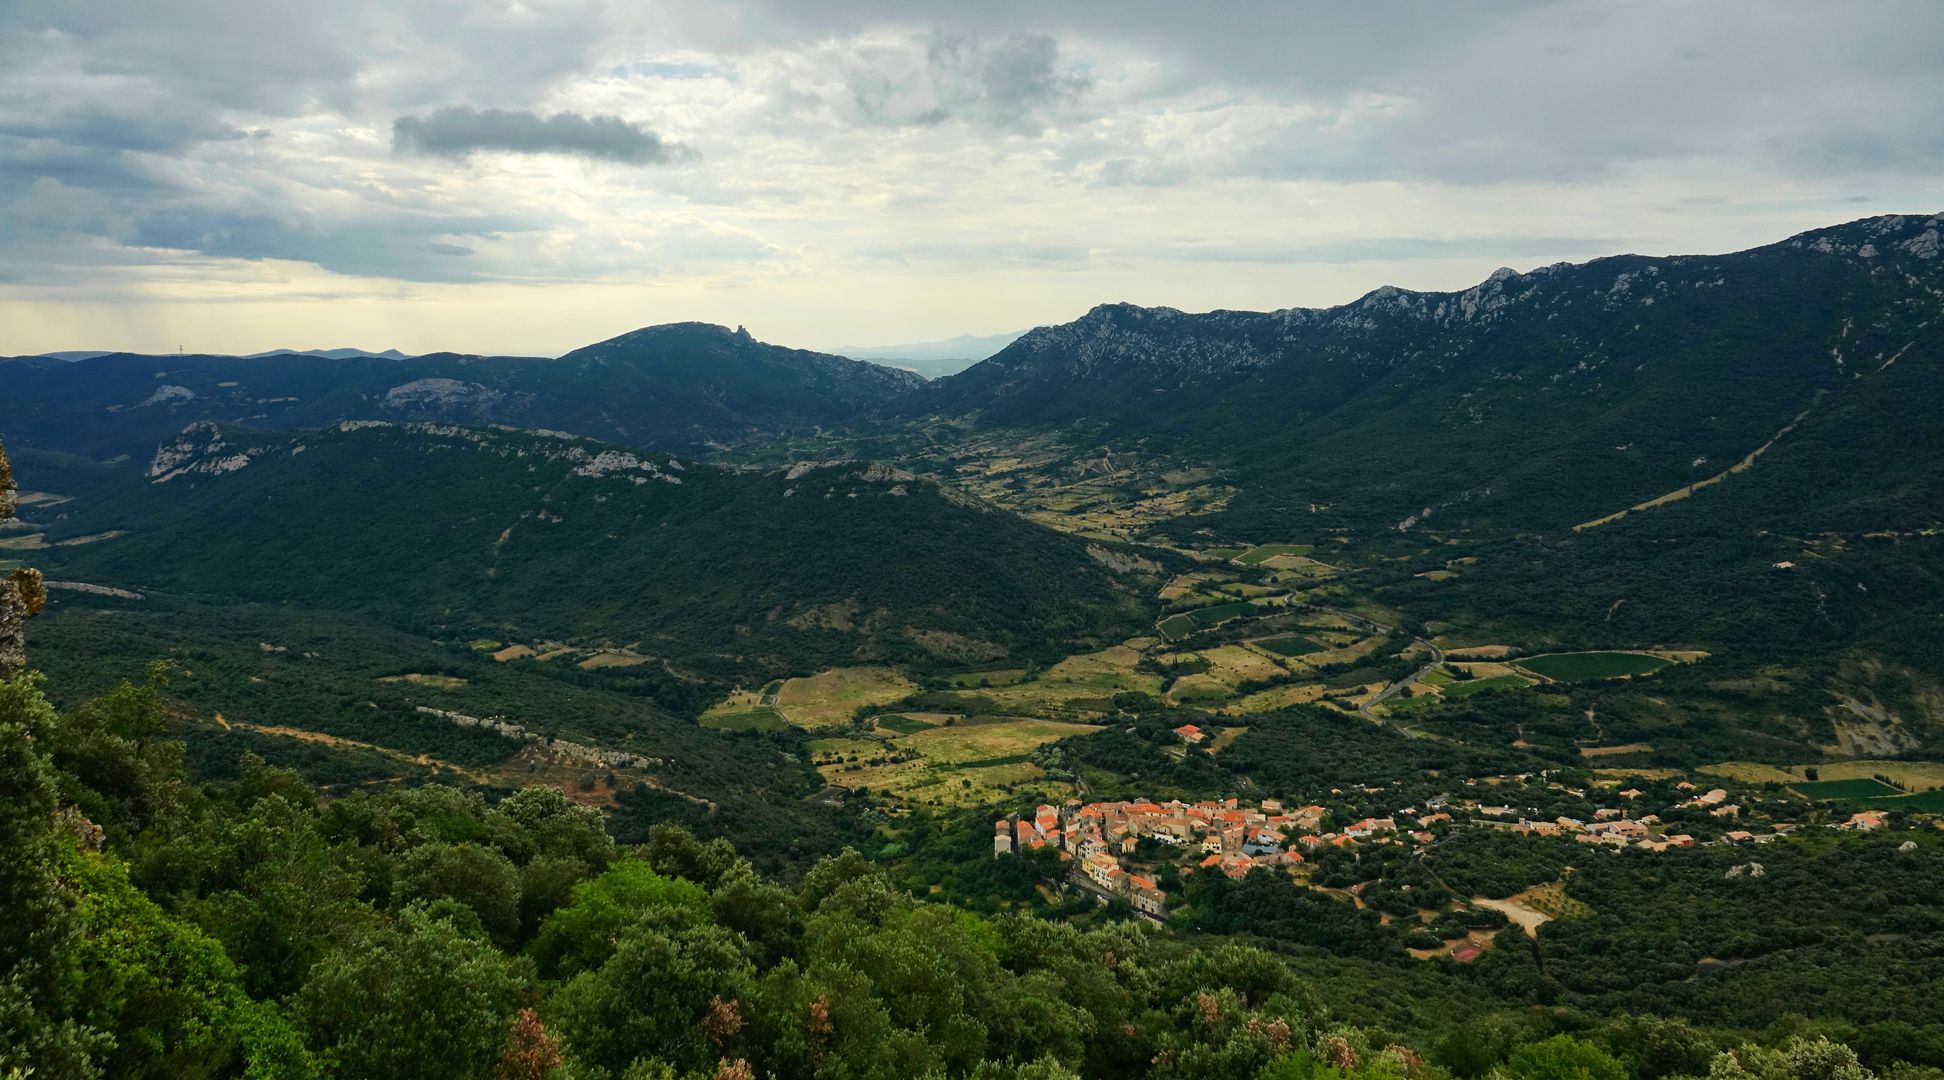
{"x":1117,"y":849}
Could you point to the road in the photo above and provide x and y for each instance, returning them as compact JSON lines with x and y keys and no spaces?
{"x":1391,"y":691}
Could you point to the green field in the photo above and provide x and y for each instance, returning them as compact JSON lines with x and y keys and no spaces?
{"x":1846,"y":790}
{"x":1577,"y":666}
{"x":1411,"y":704}
{"x":1463,"y":688}
{"x":1209,"y":616}
{"x":1930,"y":801}
{"x":1292,"y":645}
{"x":903,"y":725}
{"x":1222,"y":553}
{"x":1176,"y":627}
{"x":1264,"y":552}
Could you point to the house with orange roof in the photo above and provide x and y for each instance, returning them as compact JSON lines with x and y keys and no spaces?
{"x":1190,"y":734}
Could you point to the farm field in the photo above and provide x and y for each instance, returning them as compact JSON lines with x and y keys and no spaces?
{"x":1262,"y":553}
{"x":613,"y":658}
{"x":967,"y":764}
{"x":1175,"y":627}
{"x":1288,"y":645}
{"x":1575,"y":667}
{"x":831,"y":698}
{"x":1913,"y":775}
{"x":1844,"y":790}
{"x":1218,"y":613}
{"x":1929,"y":801}
{"x":1075,"y":682}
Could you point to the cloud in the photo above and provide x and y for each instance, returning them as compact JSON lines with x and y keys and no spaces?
{"x":457,"y":131}
{"x":1015,"y":82}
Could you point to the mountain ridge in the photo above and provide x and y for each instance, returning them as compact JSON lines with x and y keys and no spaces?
{"x":690,"y":387}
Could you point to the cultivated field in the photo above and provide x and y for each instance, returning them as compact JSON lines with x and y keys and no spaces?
{"x":1844,"y":790}
{"x":962,"y":764}
{"x":1913,"y":775}
{"x":1575,"y":667}
{"x":1263,"y":553}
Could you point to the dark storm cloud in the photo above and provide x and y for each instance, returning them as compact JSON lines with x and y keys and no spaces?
{"x":457,"y":131}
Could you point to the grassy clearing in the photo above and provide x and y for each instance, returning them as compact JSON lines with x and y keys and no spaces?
{"x":1224,"y":738}
{"x":744,"y":711}
{"x":1438,"y":676}
{"x":1552,"y":901}
{"x":1575,"y":667}
{"x":1845,"y":790}
{"x":1288,"y":645}
{"x":1262,"y":553}
{"x":437,"y":682}
{"x":1224,"y":554}
{"x":831,"y":698}
{"x":1274,"y":698}
{"x":903,"y":725}
{"x":513,"y":652}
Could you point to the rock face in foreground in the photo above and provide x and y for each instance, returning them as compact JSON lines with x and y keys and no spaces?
{"x":21,"y":594}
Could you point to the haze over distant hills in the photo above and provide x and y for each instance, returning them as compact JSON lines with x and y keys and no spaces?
{"x":934,"y":358}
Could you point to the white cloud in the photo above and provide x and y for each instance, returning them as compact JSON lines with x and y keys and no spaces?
{"x":988,"y":165}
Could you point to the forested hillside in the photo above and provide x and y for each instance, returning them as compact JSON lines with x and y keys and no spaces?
{"x":687,"y":387}
{"x":1541,"y":399}
{"x":527,"y":536}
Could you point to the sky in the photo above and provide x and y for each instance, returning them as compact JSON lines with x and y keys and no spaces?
{"x":239,"y":175}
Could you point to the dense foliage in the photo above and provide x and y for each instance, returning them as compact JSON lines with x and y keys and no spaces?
{"x":153,"y":926}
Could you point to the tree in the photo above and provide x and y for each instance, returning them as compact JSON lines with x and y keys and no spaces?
{"x":1563,"y":1057}
{"x":418,"y":998}
{"x":38,"y":926}
{"x":661,"y":993}
{"x":472,"y":874}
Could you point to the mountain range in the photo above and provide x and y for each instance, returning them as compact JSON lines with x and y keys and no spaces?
{"x":687,"y":387}
{"x":1738,"y":454}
